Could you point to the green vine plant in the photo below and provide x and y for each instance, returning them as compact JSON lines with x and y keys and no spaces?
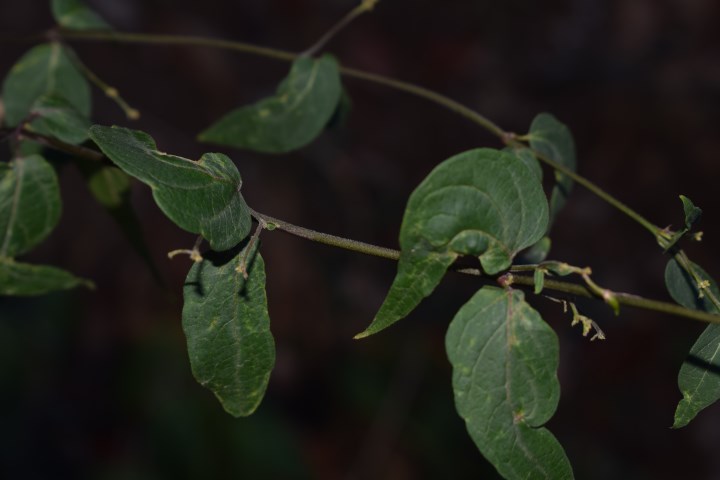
{"x":486,"y":204}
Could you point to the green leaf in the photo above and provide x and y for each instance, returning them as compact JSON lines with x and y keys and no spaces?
{"x":56,"y":117}
{"x":75,"y":15}
{"x":505,"y":359}
{"x":699,"y":377}
{"x":538,"y":252}
{"x":227,"y":326}
{"x":200,"y":197}
{"x":526,"y":155}
{"x":304,"y":103}
{"x":29,"y":204}
{"x":22,"y":279}
{"x":692,"y":213}
{"x":553,"y":139}
{"x":483,"y":203}
{"x":46,"y":69}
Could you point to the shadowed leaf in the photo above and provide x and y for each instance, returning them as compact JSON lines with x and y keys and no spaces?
{"x":227,"y":326}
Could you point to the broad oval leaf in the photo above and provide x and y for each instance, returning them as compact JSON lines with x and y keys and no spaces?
{"x":699,"y":377}
{"x":56,"y":117}
{"x":75,"y":15}
{"x":29,"y":204}
{"x":304,"y":103}
{"x":46,"y":69}
{"x":505,"y":359}
{"x":201,"y":197}
{"x":553,"y":139}
{"x":226,"y":322}
{"x":485,"y":203}
{"x":23,"y":279}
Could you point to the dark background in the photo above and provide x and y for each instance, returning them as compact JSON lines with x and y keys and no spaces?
{"x":98,"y":384}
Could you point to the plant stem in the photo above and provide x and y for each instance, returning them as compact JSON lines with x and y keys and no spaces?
{"x":527,"y":281}
{"x":507,"y":138}
{"x":365,"y":6}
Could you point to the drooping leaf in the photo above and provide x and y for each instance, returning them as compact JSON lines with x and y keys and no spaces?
{"x":304,"y":103}
{"x":46,"y":69}
{"x":692,"y":213}
{"x":29,"y":204}
{"x":201,"y":197}
{"x":553,"y":139}
{"x":75,"y":15}
{"x":699,"y":377}
{"x":538,"y":252}
{"x":111,"y":188}
{"x":56,"y":117}
{"x":483,"y":203}
{"x":23,"y":279}
{"x":227,"y":326}
{"x":505,"y":359}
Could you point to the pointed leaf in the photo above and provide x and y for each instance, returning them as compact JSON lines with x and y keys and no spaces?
{"x":75,"y":15}
{"x":692,"y":213}
{"x":227,"y":326}
{"x":56,"y":117}
{"x":505,"y":359}
{"x":553,"y":139}
{"x":29,"y":204}
{"x":483,"y":203}
{"x":22,"y":279}
{"x":304,"y":103}
{"x":46,"y":69}
{"x":201,"y":197}
{"x":699,"y":377}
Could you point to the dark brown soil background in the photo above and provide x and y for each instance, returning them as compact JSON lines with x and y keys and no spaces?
{"x":98,"y":385}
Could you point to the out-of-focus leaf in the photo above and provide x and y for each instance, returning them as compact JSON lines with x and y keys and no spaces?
{"x":699,"y":377}
{"x":22,"y":279}
{"x":201,"y":197}
{"x":227,"y":326}
{"x":485,"y":203}
{"x":29,"y":204}
{"x":56,"y":117}
{"x":505,"y":360}
{"x":304,"y":103}
{"x":46,"y":69}
{"x":553,"y":139}
{"x":75,"y":15}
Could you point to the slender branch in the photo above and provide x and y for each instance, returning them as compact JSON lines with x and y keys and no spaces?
{"x":270,"y":223}
{"x":506,"y":137}
{"x":75,"y":150}
{"x":365,"y":6}
{"x":527,"y":281}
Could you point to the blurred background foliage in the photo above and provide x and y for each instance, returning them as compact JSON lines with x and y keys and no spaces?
{"x":98,"y":385}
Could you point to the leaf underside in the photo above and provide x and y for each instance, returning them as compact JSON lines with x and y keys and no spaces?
{"x":75,"y":15}
{"x":483,"y":203}
{"x":303,"y":105}
{"x":552,"y":138}
{"x":227,"y":326}
{"x":44,"y":70}
{"x":200,"y":197}
{"x":22,"y":279}
{"x":699,"y":377}
{"x":29,"y":204}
